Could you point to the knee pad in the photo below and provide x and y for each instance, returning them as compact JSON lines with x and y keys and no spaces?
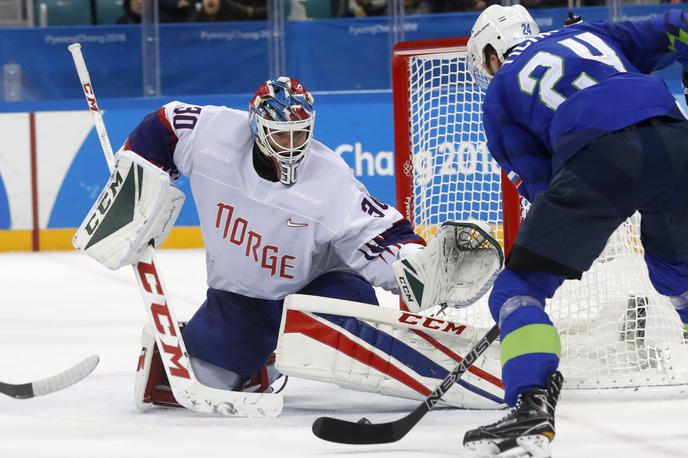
{"x":680,"y":302}
{"x":514,"y":303}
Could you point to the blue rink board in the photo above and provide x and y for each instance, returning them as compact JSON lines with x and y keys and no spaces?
{"x":351,"y":122}
{"x":343,"y":120}
{"x":232,"y":57}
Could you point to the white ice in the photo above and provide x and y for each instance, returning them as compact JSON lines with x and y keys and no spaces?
{"x":57,"y":308}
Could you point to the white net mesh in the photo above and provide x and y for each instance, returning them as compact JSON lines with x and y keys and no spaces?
{"x":616,"y":330}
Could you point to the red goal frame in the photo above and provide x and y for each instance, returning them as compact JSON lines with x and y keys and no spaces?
{"x":402,"y":52}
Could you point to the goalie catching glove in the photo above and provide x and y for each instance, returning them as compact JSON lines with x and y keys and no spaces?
{"x":457,"y":267}
{"x":137,"y":205}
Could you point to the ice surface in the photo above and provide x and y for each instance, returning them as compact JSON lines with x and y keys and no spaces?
{"x":57,"y":308}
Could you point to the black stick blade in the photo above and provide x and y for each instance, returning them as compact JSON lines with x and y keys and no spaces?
{"x":51,"y":384}
{"x":365,"y":432}
{"x":22,"y":391}
{"x":347,"y":432}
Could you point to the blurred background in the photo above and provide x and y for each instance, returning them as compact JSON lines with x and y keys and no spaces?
{"x":144,"y":53}
{"x":148,"y":48}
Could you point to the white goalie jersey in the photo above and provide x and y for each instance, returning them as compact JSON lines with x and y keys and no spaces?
{"x":264,"y":239}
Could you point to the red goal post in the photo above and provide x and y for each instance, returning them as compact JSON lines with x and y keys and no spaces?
{"x":402,"y":134}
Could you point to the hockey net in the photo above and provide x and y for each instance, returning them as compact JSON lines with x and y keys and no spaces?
{"x":616,"y":331}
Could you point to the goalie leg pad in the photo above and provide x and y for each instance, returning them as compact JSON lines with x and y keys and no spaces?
{"x":138,"y":205}
{"x":375,"y":356}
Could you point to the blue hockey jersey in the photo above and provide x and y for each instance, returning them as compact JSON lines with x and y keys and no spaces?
{"x":560,"y":90}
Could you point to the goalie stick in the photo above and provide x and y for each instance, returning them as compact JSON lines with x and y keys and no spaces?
{"x":364,"y":432}
{"x":187,"y":390}
{"x":51,"y":384}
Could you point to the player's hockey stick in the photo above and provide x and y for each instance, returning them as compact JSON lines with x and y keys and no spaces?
{"x":188,"y":391}
{"x":364,"y":432}
{"x":51,"y":384}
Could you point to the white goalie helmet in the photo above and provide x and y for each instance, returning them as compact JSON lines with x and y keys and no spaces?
{"x":281,"y":116}
{"x":502,"y":27}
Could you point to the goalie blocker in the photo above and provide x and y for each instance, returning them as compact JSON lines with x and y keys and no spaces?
{"x":382,"y":350}
{"x":138,"y":205}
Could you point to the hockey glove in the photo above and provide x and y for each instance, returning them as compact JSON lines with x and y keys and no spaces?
{"x":457,"y":267}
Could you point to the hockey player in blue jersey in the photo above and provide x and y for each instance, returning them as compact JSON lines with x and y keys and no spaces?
{"x":594,"y":137}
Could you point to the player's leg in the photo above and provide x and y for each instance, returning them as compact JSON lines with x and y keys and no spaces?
{"x":670,"y":279}
{"x":564,"y":232}
{"x":348,"y":347}
{"x":530,"y":349}
{"x":230,"y":341}
{"x":342,"y":285}
{"x":517,"y":303}
{"x":255,"y":328}
{"x":664,"y":210}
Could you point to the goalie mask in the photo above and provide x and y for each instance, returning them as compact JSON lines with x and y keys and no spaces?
{"x":501,"y":27}
{"x":281,"y":117}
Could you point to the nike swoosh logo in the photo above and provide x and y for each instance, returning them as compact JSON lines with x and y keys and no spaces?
{"x":291,"y":223}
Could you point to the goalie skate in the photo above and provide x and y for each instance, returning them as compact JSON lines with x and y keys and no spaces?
{"x":152,"y":386}
{"x":525,"y":432}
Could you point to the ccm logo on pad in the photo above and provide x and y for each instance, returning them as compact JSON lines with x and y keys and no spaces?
{"x":431,"y":323}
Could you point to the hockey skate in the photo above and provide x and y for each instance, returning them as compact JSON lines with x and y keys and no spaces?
{"x":525,"y":432}
{"x":263,"y":380}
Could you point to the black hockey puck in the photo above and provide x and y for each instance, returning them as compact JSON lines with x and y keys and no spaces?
{"x":364,"y":421}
